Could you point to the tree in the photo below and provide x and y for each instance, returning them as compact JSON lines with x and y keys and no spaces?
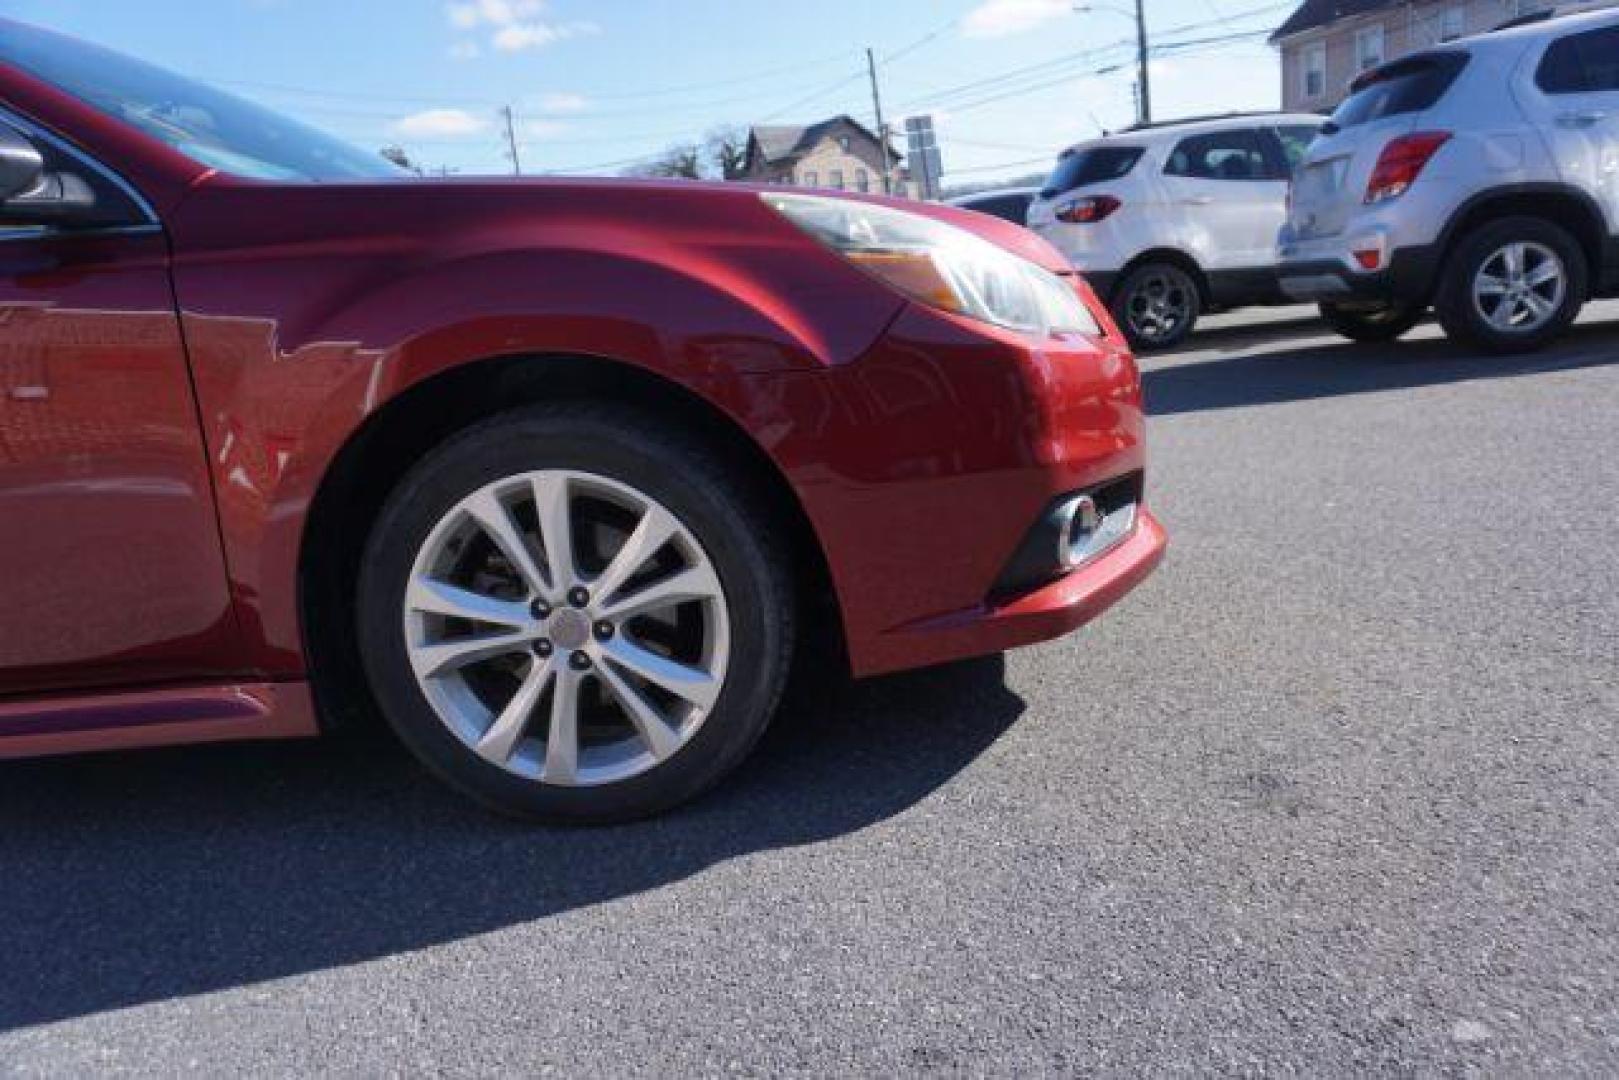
{"x":720,"y":155}
{"x":726,"y":148}
{"x":397,"y":155}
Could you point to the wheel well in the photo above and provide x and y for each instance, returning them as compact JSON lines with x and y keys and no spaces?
{"x":376,"y":457}
{"x":1174,"y":257}
{"x":1578,"y":218}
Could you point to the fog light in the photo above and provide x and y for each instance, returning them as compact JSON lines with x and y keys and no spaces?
{"x":1081,"y":520}
{"x":1088,"y":530}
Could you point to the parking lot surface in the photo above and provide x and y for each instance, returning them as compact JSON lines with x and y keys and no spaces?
{"x":1336,"y":791}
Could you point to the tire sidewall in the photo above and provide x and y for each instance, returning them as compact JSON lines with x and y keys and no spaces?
{"x":1455,"y":307}
{"x":758,"y":603}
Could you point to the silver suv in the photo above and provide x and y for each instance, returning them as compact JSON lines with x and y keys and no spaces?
{"x":1479,"y":177}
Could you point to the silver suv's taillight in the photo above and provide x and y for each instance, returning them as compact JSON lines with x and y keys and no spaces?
{"x":1401,"y":162}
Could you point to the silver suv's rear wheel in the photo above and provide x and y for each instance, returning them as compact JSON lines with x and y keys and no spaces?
{"x":1512,"y":285}
{"x":1372,"y":324}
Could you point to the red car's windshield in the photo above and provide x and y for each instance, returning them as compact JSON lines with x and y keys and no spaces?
{"x":209,"y":126}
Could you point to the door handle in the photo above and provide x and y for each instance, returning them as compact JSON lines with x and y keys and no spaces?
{"x":1580,"y":119}
{"x":1198,"y":200}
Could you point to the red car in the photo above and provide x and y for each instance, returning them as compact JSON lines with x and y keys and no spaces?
{"x":555,"y":474}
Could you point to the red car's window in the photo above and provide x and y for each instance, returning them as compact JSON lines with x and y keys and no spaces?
{"x":207,"y":125}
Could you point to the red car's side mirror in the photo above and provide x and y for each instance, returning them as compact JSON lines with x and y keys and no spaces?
{"x":31,"y":195}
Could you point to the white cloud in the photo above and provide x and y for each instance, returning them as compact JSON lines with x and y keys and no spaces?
{"x":514,"y":25}
{"x":439,"y":123}
{"x":563,"y":103}
{"x":546,"y":129}
{"x":1000,"y":18}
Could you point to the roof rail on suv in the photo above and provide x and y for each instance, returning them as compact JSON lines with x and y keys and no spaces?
{"x":1153,"y":125}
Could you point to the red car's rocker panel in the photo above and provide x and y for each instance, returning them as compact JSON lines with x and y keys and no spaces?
{"x":317,"y":322}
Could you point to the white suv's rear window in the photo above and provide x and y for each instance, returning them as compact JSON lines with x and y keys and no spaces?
{"x":1093,"y":166}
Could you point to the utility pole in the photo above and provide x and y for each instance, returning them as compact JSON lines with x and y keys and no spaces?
{"x":882,"y":129}
{"x":511,"y":139}
{"x":1143,"y":91}
{"x":1141,"y":61}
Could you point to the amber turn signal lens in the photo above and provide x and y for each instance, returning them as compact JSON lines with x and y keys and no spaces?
{"x":911,"y":272}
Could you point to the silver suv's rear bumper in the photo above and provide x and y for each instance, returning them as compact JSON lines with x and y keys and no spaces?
{"x":1407,"y":276}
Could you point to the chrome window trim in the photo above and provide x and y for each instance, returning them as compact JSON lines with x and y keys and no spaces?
{"x":27,"y":127}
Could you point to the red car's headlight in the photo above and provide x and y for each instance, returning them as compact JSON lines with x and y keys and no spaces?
{"x":939,"y":264}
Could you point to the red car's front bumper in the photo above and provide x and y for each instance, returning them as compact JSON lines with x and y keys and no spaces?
{"x":924,"y":466}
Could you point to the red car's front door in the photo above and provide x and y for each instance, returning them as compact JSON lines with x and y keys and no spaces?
{"x":111,"y":572}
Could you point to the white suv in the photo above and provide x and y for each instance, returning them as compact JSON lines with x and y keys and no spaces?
{"x":1481,"y":177}
{"x":1169,"y":220}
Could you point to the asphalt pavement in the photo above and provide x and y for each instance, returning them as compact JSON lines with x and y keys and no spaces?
{"x":1336,"y":792}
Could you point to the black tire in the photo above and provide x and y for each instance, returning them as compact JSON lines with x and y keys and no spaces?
{"x":1464,"y":321}
{"x":710,"y":498}
{"x":1372,"y":325}
{"x":1132,"y":305}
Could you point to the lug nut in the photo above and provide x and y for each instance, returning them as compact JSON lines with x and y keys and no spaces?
{"x":604,"y":630}
{"x":540,"y":609}
{"x":578,"y":597}
{"x":579,"y":661}
{"x":543,"y":647}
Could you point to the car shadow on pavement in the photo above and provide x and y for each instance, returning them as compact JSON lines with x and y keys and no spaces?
{"x":1262,"y":370}
{"x":136,"y":878}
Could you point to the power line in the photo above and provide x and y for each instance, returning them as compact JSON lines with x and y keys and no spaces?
{"x":937,"y":98}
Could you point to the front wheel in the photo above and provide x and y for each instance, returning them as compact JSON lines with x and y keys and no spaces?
{"x":1372,"y":325}
{"x":1156,"y":305}
{"x":572,"y":616}
{"x":1512,"y":285}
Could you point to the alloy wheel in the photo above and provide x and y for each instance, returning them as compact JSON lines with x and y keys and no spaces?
{"x":1159,"y":305}
{"x":566,"y":627}
{"x":1520,"y":287}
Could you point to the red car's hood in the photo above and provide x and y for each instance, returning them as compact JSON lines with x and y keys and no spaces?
{"x":500,"y":194}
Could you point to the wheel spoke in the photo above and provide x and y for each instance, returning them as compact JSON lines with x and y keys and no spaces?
{"x":562,"y":742}
{"x":1512,"y":256}
{"x":694,"y":583}
{"x":1501,"y":318}
{"x":1539,"y":307}
{"x":655,"y":529}
{"x":500,"y":741}
{"x":443,"y":657}
{"x":433,"y":597}
{"x":496,"y":521}
{"x":553,"y":505}
{"x":661,"y":739}
{"x":1491,"y":285}
{"x":688,"y":683}
{"x":1544,"y":274}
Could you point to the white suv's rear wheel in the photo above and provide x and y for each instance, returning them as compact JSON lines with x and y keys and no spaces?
{"x":1156,"y":305}
{"x":1512,"y":285}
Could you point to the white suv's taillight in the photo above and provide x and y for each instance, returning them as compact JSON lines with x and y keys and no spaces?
{"x":1086,"y":210}
{"x":1401,"y":162}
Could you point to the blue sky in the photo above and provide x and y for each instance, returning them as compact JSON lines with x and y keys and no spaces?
{"x":597,"y":83}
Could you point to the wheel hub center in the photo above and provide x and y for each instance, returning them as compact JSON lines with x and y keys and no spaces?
{"x":570,"y":628}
